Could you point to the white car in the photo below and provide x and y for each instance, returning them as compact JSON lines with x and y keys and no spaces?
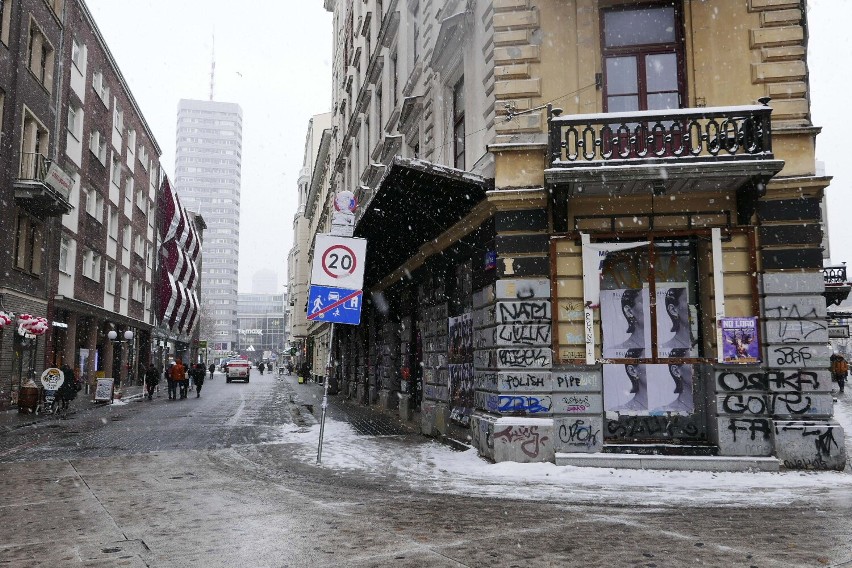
{"x":238,"y":371}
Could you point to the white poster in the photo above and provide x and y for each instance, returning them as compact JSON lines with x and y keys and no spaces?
{"x":625,"y":317}
{"x":674,"y":330}
{"x":644,"y":390}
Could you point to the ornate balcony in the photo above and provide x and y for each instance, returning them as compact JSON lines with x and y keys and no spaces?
{"x":837,"y":285}
{"x":663,"y":152}
{"x":42,"y":187}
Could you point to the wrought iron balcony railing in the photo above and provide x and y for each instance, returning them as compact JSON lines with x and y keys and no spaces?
{"x":33,"y":167}
{"x":835,"y":275}
{"x":691,"y":135}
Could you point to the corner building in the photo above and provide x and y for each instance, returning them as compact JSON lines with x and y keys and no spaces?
{"x":594,"y":227}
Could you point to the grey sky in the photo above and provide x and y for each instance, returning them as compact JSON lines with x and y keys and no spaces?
{"x":274,"y":59}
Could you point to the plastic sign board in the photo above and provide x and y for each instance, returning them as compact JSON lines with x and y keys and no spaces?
{"x":52,"y":379}
{"x":339,"y":262}
{"x":334,"y":305}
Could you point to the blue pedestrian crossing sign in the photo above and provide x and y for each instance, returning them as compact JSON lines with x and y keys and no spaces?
{"x":335,"y":305}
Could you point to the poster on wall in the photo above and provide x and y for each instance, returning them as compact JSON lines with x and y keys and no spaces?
{"x":460,"y":358}
{"x":675,"y":337}
{"x":740,"y":342}
{"x":648,"y":390}
{"x":625,"y":315}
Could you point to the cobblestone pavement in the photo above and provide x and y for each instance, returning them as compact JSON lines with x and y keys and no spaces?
{"x":192,"y":483}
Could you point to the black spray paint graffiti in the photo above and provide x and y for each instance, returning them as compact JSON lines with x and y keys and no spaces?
{"x":652,"y":426}
{"x":524,"y":311}
{"x":788,"y":355}
{"x":795,"y":403}
{"x":735,"y":381}
{"x":795,"y":326}
{"x":823,"y":436}
{"x":523,"y":358}
{"x":521,"y":381}
{"x":523,"y":334}
{"x":754,"y":428}
{"x":579,"y":434}
{"x":531,"y":440}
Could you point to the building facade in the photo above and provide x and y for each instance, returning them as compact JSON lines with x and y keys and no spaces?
{"x":31,"y":45}
{"x":86,"y":172}
{"x":593,"y":227}
{"x":207,"y":177}
{"x":313,"y":197}
{"x":263,"y":324}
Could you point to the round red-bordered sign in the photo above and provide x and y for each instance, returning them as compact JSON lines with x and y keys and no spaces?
{"x":339,"y":264}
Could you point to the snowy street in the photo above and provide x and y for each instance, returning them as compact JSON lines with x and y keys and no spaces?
{"x":231,"y":478}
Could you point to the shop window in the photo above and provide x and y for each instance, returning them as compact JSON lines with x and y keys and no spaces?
{"x":5,"y":20}
{"x":631,"y":328}
{"x":642,"y":58}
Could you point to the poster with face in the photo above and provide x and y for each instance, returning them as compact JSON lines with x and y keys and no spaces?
{"x":645,"y":390}
{"x":674,"y":332}
{"x":624,"y":317}
{"x":670,"y":389}
{"x":625,"y":389}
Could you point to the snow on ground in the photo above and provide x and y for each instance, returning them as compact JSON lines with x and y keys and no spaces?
{"x":431,"y":466}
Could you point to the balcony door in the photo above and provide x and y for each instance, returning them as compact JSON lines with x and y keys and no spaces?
{"x":643,"y":57}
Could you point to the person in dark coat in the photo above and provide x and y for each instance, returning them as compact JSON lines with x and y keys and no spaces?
{"x":68,"y":389}
{"x":261,"y":367}
{"x":152,"y":379}
{"x":212,"y":369}
{"x":198,"y":373}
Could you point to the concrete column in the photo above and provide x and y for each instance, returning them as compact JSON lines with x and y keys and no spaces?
{"x":109,"y":357}
{"x":92,"y":346}
{"x":122,"y":372}
{"x":69,"y":353}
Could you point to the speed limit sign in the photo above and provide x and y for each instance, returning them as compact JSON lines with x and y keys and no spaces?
{"x":339,"y":262}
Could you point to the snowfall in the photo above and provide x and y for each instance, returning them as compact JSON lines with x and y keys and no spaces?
{"x":435,"y":467}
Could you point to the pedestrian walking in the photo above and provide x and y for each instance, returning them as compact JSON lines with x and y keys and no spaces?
{"x":178,"y":373}
{"x":68,"y":389}
{"x":839,"y":370}
{"x":212,"y":370}
{"x":152,"y":379}
{"x":261,"y":367}
{"x":199,"y":373}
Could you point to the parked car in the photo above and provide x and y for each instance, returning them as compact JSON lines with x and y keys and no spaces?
{"x":238,"y":371}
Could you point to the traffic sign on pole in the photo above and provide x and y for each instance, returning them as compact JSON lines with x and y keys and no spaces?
{"x":339,"y":262}
{"x":334,"y":305}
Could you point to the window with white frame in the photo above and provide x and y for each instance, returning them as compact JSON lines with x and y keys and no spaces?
{"x":139,"y":246}
{"x":92,"y":265}
{"x":100,"y":87}
{"x":137,"y":290}
{"x":5,"y":20}
{"x":77,"y":54}
{"x":29,"y":244}
{"x":117,"y":117}
{"x":109,"y":278}
{"x":125,"y":286}
{"x":129,"y":184}
{"x":112,"y":226}
{"x":98,"y":146}
{"x":115,"y":176}
{"x":128,"y":237}
{"x":64,"y":252}
{"x":94,"y":204}
{"x":131,"y":144}
{"x":34,"y":147}
{"x":40,"y":56}
{"x":141,"y":199}
{"x":75,"y":120}
{"x":143,"y":156}
{"x":2,"y":104}
{"x":147,"y":297}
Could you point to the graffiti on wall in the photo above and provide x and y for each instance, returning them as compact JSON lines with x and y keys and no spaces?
{"x":810,"y":445}
{"x":655,"y":427}
{"x":526,"y":437}
{"x":579,"y":434}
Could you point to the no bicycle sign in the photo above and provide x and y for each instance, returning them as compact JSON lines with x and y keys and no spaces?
{"x":339,"y":262}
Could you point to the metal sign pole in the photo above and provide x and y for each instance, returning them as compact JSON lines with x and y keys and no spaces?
{"x":328,"y":372}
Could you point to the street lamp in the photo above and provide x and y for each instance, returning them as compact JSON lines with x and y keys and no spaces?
{"x":113,"y":336}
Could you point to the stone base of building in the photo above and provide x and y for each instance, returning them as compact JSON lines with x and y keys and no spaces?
{"x":388,"y":400}
{"x":405,"y":407}
{"x":434,"y":418}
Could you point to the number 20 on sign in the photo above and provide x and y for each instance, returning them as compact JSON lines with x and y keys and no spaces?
{"x":339,"y":262}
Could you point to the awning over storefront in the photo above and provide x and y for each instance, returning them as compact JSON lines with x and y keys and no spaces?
{"x":91,"y":310}
{"x":414,"y":203}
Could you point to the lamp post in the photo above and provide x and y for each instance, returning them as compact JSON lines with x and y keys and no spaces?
{"x":112,"y":335}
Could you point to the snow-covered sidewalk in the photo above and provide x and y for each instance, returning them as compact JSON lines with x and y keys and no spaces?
{"x":434,"y":467}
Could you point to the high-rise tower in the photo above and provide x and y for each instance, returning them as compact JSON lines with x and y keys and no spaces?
{"x":207,"y":176}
